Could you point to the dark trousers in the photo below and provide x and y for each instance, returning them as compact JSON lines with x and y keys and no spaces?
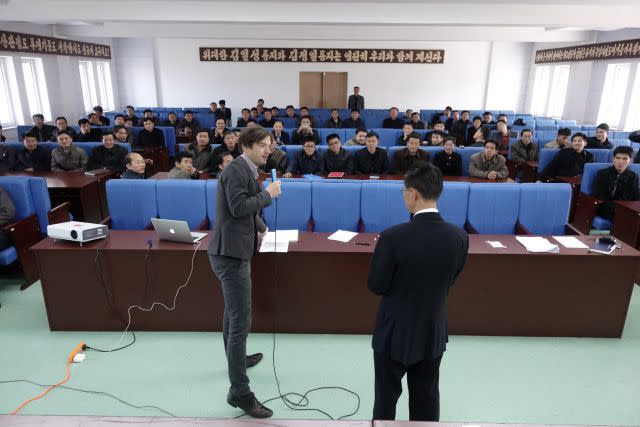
{"x":422,"y":380}
{"x":235,"y":278}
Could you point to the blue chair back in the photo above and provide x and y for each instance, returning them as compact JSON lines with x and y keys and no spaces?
{"x":41,"y":200}
{"x":182,"y":199}
{"x":600,"y":155}
{"x":293,"y":207}
{"x":454,"y":202}
{"x":382,"y":206}
{"x":544,"y":208}
{"x":132,"y":203}
{"x":19,"y":191}
{"x":494,"y":208}
{"x":324,"y":132}
{"x":466,"y":154}
{"x":335,"y":206}
{"x":211,"y":190}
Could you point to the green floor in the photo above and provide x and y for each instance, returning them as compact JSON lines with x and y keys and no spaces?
{"x":483,"y":379}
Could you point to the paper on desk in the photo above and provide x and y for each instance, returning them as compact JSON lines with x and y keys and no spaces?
{"x":495,"y":244}
{"x":570,"y":242}
{"x":538,"y":245}
{"x":282,"y":235}
{"x":273,"y":246}
{"x":343,"y":236}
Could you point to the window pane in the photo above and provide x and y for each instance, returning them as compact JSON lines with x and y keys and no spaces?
{"x":558,"y":90}
{"x":87,"y":82}
{"x":633,"y":115}
{"x":540,"y":90}
{"x":31,"y":87}
{"x":105,"y":86}
{"x":613,"y":94}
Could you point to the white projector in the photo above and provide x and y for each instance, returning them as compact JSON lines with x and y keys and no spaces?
{"x":75,"y":231}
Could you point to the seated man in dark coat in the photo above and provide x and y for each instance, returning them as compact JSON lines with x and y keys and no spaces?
{"x":617,"y":182}
{"x":32,"y":157}
{"x":307,"y":161}
{"x":108,"y":156}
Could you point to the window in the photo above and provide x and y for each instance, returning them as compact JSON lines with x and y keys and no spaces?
{"x":613,"y":94}
{"x":88,"y":85}
{"x":10,"y":107}
{"x":104,"y":85}
{"x":550,"y":90}
{"x":633,"y":114}
{"x":36,"y":87}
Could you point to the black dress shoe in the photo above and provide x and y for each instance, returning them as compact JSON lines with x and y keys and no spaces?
{"x":253,"y":360}
{"x":249,"y":404}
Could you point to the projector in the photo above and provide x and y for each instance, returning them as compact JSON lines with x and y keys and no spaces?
{"x":75,"y":231}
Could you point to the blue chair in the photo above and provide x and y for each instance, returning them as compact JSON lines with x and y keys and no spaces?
{"x":292,"y":151}
{"x":335,"y":206}
{"x":132,"y":203}
{"x":211,"y":192}
{"x":544,"y":208}
{"x":324,"y":132}
{"x":600,"y":155}
{"x":382,"y":206}
{"x":546,"y":155}
{"x":493,"y":208}
{"x":453,"y":202}
{"x":588,"y":128}
{"x":293,"y":206}
{"x":466,"y":154}
{"x":184,"y":200}
{"x":387,"y":137}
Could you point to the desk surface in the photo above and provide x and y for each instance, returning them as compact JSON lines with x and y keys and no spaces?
{"x":71,"y":179}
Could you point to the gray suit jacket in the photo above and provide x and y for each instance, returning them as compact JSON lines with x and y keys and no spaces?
{"x":239,"y":202}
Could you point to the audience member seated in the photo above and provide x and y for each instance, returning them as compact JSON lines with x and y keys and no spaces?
{"x":131,"y":115}
{"x":253,"y":115}
{"x":7,"y":158}
{"x":448,"y":124}
{"x":359,"y":139}
{"x":333,"y":122}
{"x":524,"y":150}
{"x":635,"y":137}
{"x":88,"y":133}
{"x":354,"y":122}
{"x":221,"y":163}
{"x":307,"y":161}
{"x":275,"y":112}
{"x":7,"y":216}
{"x":118,"y":120}
{"x":148,"y":114}
{"x":68,"y":157}
{"x":226,"y":111}
{"x":371,"y":160}
{"x":172,"y":121}
{"x":471,"y":131}
{"x":337,"y":159}
{"x":201,"y":151}
{"x":434,"y":138}
{"x":304,"y":112}
{"x":408,"y":112}
{"x":480,"y":136}
{"x":44,"y":131}
{"x":252,"y":123}
{"x":94,"y":120}
{"x":108,"y":156}
{"x":487,"y":119}
{"x":32,"y":157}
{"x":268,"y":121}
{"x":61,"y":124}
{"x":601,"y":139}
{"x":291,"y":112}
{"x":123,"y":135}
{"x":188,"y":121}
{"x":305,"y":130}
{"x":459,"y":129}
{"x":229,"y":145}
{"x":502,"y":134}
{"x":2,"y":137}
{"x":277,"y":158}
{"x":393,"y":121}
{"x":135,"y":165}
{"x":415,"y":121}
{"x":407,"y":130}
{"x":104,"y":121}
{"x":562,"y":139}
{"x":448,"y":161}
{"x":405,"y":159}
{"x":570,"y":162}
{"x":617,"y":182}
{"x":150,"y":136}
{"x":488,"y":164}
{"x":280,"y":136}
{"x":259,"y":106}
{"x":217,"y":136}
{"x":438,"y":125}
{"x":242,"y":121}
{"x":215,"y":111}
{"x":183,"y":168}
{"x":355,"y":101}
{"x":436,"y":117}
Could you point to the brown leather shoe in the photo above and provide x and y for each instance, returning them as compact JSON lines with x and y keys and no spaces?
{"x":249,"y":404}
{"x":253,"y":360}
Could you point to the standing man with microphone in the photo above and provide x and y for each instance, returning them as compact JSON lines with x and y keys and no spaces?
{"x":236,"y":234}
{"x":413,"y":267}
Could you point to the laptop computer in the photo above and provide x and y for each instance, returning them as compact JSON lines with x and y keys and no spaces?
{"x":175,"y":231}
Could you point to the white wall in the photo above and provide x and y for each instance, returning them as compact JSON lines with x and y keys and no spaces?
{"x":135,"y":71}
{"x":182,"y":80}
{"x":508,"y":74}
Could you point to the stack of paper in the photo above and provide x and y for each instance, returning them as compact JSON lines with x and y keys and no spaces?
{"x":538,"y":245}
{"x":270,"y":244}
{"x":343,"y":236}
{"x":570,"y":242}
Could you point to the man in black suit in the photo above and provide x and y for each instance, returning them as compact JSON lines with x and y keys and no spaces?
{"x":413,"y":267}
{"x":235,"y":238}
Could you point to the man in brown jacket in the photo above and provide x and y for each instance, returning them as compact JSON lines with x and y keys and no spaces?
{"x":488,"y":164}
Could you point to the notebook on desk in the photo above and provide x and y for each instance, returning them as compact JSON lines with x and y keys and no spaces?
{"x":604,"y":248}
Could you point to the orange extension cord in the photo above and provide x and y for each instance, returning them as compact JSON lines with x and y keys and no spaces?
{"x":75,"y":351}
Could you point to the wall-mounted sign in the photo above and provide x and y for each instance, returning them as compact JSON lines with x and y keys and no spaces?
{"x":591,"y":52}
{"x":371,"y":56}
{"x":31,"y":43}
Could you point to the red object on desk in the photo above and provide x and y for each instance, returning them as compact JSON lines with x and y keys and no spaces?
{"x":336,"y":175}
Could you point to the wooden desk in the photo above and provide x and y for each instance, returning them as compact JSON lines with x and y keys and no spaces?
{"x":534,"y":295}
{"x":575,"y":182}
{"x":159,"y":156}
{"x":86,"y":193}
{"x":529,"y":171}
{"x":626,"y":223}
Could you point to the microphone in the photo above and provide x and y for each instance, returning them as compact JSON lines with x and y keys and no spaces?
{"x":274,"y":175}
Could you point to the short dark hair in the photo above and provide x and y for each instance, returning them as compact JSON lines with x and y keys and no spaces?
{"x":30,"y":134}
{"x":147,"y":110}
{"x":221,"y":157}
{"x":426,"y":179}
{"x":63,"y":132}
{"x":254,"y":109}
{"x":526,"y":130}
{"x":227,"y":132}
{"x":476,"y":118}
{"x":360,"y":130}
{"x":487,"y":113}
{"x":128,"y":158}
{"x":107,"y":133}
{"x":564,"y":131}
{"x":438,"y":122}
{"x":118,"y":127}
{"x":251,"y":121}
{"x":116,"y":116}
{"x":129,"y":106}
{"x":221,"y":118}
{"x":372,"y":134}
{"x":38,"y":115}
{"x":502,"y":115}
{"x":183,"y":155}
{"x":250,"y":136}
{"x":393,"y":108}
{"x":335,"y":109}
{"x":98,"y":109}
{"x":490,"y":141}
{"x":581,"y":135}
{"x":464,"y":111}
{"x":171,"y":112}
{"x":188,"y":112}
{"x":266,"y":110}
{"x":331,"y":136}
{"x":414,"y":135}
{"x":356,"y":87}
{"x":202,"y":130}
{"x":289,"y":106}
{"x":408,"y":124}
{"x":275,"y":108}
{"x":353,"y":110}
{"x":624,"y":150}
{"x":260,"y":99}
{"x":148,"y":119}
{"x":603,"y":126}
{"x":213,"y":103}
{"x":246,"y":109}
{"x":501,"y":121}
{"x":82,"y":121}
{"x":308,"y":138}
{"x":415,"y":113}
{"x":449,"y":138}
{"x":304,"y":108}
{"x":486,"y":130}
{"x":222,"y":102}
{"x":448,"y":108}
{"x":59,"y":118}
{"x":438,"y":132}
{"x":278,"y":121}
